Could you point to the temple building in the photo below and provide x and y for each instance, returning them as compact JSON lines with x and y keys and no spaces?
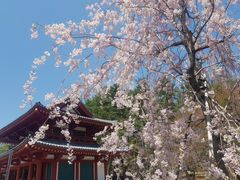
{"x":47,"y":159}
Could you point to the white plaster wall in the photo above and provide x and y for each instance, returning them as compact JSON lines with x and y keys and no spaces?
{"x":100,"y":171}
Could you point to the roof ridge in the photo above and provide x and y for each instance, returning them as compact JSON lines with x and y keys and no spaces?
{"x":99,"y":119}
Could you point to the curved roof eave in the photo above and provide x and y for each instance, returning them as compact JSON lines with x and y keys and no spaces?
{"x":37,"y":108}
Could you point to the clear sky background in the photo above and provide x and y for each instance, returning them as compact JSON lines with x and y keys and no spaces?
{"x":17,"y":50}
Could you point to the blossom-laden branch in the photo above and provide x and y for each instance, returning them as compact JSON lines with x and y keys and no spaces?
{"x":168,"y":45}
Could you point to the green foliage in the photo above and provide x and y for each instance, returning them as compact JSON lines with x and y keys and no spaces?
{"x":102,"y":107}
{"x":4,"y":148}
{"x":171,"y":98}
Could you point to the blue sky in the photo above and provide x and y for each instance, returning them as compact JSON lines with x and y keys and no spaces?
{"x":17,"y":50}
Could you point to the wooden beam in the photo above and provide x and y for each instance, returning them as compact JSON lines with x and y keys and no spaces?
{"x":40,"y":155}
{"x":57,"y":156}
{"x":16,"y":161}
{"x":26,"y":158}
{"x":79,"y":157}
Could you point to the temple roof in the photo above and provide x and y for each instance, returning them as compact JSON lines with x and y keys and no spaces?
{"x":30,"y":122}
{"x":35,"y":115}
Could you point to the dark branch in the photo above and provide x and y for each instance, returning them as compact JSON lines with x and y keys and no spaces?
{"x":205,"y":23}
{"x":207,"y":46}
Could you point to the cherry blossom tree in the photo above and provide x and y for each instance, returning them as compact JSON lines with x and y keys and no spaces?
{"x":182,"y":43}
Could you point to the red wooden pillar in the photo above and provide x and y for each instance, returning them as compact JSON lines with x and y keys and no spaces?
{"x":30,"y":170}
{"x":39,"y":170}
{"x":105,"y":168}
{"x":54,"y":170}
{"x":18,"y":173}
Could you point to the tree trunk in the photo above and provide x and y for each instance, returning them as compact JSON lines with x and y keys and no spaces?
{"x":199,"y":86}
